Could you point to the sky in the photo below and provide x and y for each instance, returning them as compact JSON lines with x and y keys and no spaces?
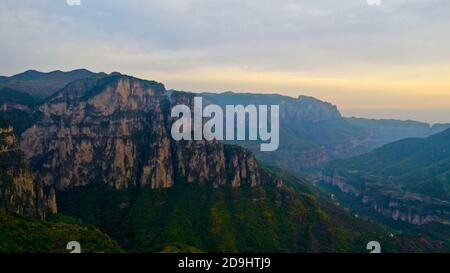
{"x":380,"y":61}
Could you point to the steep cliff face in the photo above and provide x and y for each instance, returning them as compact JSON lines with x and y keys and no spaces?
{"x":339,"y":181}
{"x":413,"y":214}
{"x":407,"y":207}
{"x":20,"y":190}
{"x":116,"y":130}
{"x":211,"y":161}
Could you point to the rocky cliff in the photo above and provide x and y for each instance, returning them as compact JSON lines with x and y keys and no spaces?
{"x":308,"y":109}
{"x":116,"y":130}
{"x":21,"y":191}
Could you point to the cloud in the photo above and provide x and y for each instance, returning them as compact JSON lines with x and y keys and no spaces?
{"x":177,"y":40}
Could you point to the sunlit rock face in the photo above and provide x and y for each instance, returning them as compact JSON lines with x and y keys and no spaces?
{"x":20,"y":189}
{"x":116,"y":130}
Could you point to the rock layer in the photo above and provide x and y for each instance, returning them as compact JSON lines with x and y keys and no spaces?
{"x":21,"y":191}
{"x":116,"y":130}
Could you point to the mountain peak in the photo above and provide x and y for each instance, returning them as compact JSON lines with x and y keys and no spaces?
{"x":315,"y":101}
{"x":118,"y":91}
{"x":30,"y":74}
{"x":43,"y":84}
{"x":315,"y":109}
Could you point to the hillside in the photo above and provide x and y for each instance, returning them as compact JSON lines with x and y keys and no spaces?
{"x":406,"y":180}
{"x":20,"y":234}
{"x":203,"y":219}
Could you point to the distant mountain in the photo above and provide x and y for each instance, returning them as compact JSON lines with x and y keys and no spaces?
{"x":439,"y":127}
{"x":305,"y":108}
{"x":312,"y":132}
{"x":384,"y":131}
{"x":40,"y":84}
{"x":408,"y":180}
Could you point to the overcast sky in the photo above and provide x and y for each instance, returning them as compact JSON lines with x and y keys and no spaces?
{"x":391,"y":60}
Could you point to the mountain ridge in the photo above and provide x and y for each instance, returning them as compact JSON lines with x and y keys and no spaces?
{"x":406,"y":180}
{"x":312,"y":131}
{"x":105,"y":142}
{"x":42,"y":84}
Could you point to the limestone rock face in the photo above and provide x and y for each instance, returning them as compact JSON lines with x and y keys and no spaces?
{"x":20,"y":189}
{"x":212,"y":162}
{"x":109,"y":130}
{"x":116,"y":130}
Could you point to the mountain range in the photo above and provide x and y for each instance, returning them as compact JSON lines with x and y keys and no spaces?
{"x":384,"y":131}
{"x":407,"y":180}
{"x":97,"y":147}
{"x":40,"y":84}
{"x":313,"y":132}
